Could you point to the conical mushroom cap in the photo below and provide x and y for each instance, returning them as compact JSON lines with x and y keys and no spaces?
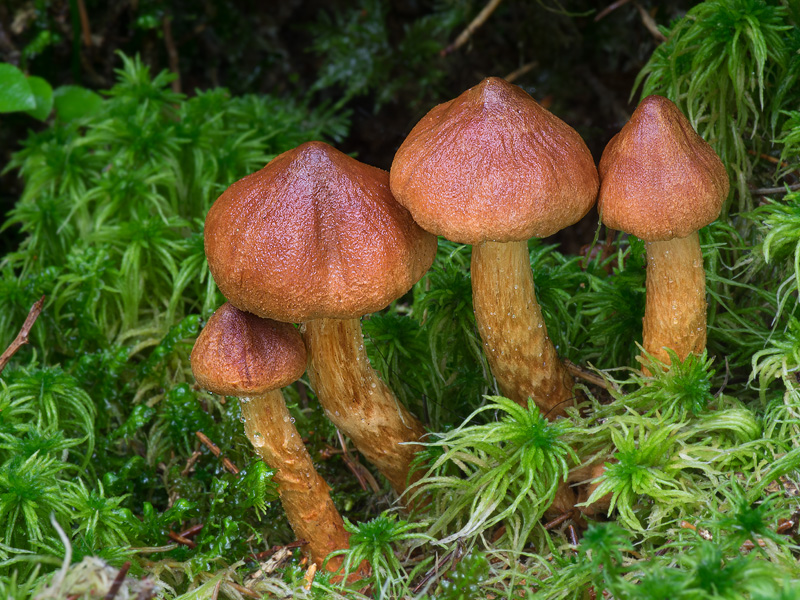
{"x":493,"y":165}
{"x":660,"y":179}
{"x":314,"y":234}
{"x":240,"y":354}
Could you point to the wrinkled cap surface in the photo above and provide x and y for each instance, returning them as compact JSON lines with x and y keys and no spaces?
{"x":314,"y":234}
{"x":660,"y":179}
{"x":240,"y":354}
{"x":493,"y":165}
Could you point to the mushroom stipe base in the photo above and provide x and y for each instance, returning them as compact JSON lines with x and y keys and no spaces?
{"x":304,"y":494}
{"x":357,"y":400}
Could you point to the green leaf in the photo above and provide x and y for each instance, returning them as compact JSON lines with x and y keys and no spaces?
{"x":75,"y":102}
{"x":15,"y":90}
{"x":43,"y":95}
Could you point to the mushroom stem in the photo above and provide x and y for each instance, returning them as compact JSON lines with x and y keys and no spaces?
{"x":521,"y":356}
{"x":357,"y":400}
{"x":675,"y":309}
{"x":304,"y":494}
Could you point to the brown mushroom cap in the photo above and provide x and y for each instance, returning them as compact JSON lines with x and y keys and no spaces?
{"x":493,"y":165}
{"x":240,"y":354}
{"x":660,"y":179}
{"x":314,"y":234}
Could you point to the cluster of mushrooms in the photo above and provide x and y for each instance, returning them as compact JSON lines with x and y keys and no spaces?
{"x":320,"y":239}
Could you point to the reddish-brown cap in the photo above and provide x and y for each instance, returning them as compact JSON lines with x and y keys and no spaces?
{"x":314,"y":234}
{"x":240,"y":354}
{"x":660,"y":180}
{"x":493,"y":165}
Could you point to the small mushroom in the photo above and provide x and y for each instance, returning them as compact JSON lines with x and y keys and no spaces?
{"x":239,"y":354}
{"x":662,"y":182}
{"x":492,"y":168}
{"x":316,"y":237}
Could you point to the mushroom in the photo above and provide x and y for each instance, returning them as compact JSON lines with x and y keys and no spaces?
{"x":662,"y":182}
{"x":316,"y":237}
{"x":492,"y":168}
{"x":239,"y":354}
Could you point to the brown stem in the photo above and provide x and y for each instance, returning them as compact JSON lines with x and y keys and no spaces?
{"x":675,"y":309}
{"x":510,"y":323}
{"x":304,"y":494}
{"x":358,"y":402}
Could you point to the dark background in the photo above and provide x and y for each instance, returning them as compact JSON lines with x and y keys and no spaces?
{"x":381,"y":61}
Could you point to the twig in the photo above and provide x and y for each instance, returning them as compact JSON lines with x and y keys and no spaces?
{"x":650,"y":23}
{"x":181,"y":540}
{"x":243,"y":590}
{"x":273,"y":564}
{"x":578,"y":372}
{"x":117,"y":583}
{"x":267,"y":553}
{"x":172,"y":53}
{"x":664,"y":549}
{"x":85,"y":30}
{"x":453,"y":557}
{"x":516,"y":74}
{"x":472,"y":27}
{"x":610,"y":8}
{"x":647,"y":20}
{"x":215,"y":593}
{"x":208,"y":443}
{"x":22,"y":336}
{"x":190,"y":463}
{"x":192,"y":531}
{"x":558,"y":520}
{"x":329,"y":452}
{"x":226,"y":462}
{"x":775,"y":190}
{"x":572,"y":535}
{"x":768,"y":158}
{"x":364,"y":477}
